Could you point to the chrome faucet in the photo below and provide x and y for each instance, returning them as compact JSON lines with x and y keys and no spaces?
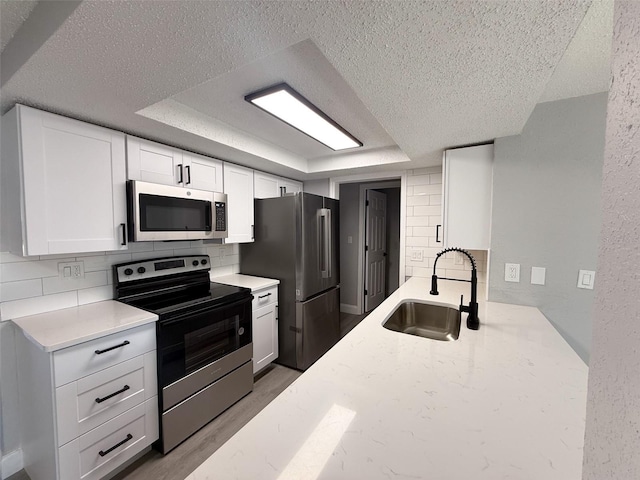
{"x":473,"y":322}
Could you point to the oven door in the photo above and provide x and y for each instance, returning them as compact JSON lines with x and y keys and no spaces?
{"x":189,"y":342}
{"x":165,"y":212}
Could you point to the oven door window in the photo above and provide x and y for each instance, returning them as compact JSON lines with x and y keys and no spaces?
{"x":191,"y":341}
{"x":168,"y":214}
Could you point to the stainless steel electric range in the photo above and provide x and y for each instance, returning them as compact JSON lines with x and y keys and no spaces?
{"x":203,"y":337}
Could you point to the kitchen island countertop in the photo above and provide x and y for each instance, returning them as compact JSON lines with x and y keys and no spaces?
{"x":506,"y":401}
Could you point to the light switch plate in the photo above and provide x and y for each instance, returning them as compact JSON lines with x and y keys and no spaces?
{"x":586,"y":279}
{"x":538,"y":275}
{"x":512,"y":272}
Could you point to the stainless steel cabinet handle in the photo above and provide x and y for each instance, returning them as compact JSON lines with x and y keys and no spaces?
{"x":100,"y":352}
{"x":181,"y":175}
{"x":122,"y":390}
{"x":264,"y":296}
{"x":438,"y":233}
{"x":102,"y":453}
{"x":124,"y":234}
{"x":188,"y":169}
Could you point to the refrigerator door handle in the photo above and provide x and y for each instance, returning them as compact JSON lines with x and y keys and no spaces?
{"x":325,"y":242}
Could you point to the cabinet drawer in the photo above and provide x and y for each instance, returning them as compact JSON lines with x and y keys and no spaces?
{"x":78,"y":361}
{"x":265,"y":296}
{"x":89,"y":402}
{"x":95,"y":454}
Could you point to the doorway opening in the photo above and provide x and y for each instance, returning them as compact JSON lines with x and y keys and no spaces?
{"x":370,"y":250}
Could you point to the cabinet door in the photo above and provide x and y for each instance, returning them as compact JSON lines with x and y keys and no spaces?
{"x":265,"y":336}
{"x":74,"y":178}
{"x":266,"y":186}
{"x":238,"y":185}
{"x":468,"y":174}
{"x":290,"y":186}
{"x":202,"y":173}
{"x":153,"y":162}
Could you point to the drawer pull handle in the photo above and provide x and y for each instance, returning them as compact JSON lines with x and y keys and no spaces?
{"x":264,"y":296}
{"x":102,"y":453}
{"x":123,"y":389}
{"x":98,"y":352}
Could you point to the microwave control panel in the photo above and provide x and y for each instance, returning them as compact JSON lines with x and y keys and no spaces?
{"x":221,"y":217}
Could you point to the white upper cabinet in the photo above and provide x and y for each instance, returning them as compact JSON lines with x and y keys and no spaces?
{"x":202,"y":173}
{"x":156,"y":163}
{"x":270,"y":186}
{"x":63,"y":185}
{"x":153,"y":162}
{"x":289,"y":186}
{"x":238,"y":185}
{"x":466,"y":201}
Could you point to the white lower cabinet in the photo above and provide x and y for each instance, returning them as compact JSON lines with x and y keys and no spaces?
{"x":87,"y":409}
{"x":265,"y":327}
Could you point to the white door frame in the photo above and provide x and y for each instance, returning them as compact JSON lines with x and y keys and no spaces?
{"x":374,"y":179}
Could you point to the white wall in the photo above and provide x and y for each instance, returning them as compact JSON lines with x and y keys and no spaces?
{"x":612,"y":441}
{"x":30,"y":285}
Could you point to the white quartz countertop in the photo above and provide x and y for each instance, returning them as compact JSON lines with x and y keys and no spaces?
{"x":247,"y":281}
{"x":507,"y":401}
{"x":53,"y":331}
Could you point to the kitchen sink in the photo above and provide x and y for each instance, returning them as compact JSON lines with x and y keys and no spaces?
{"x":425,"y":320}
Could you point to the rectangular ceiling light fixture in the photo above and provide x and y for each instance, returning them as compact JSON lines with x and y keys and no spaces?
{"x":285,"y":103}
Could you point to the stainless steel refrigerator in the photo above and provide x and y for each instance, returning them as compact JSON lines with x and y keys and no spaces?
{"x":296,"y":241}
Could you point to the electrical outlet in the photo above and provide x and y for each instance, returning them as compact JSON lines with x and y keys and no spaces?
{"x":416,"y":255}
{"x":71,"y":270}
{"x":512,"y":272}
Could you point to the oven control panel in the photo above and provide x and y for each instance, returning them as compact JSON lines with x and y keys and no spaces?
{"x":160,"y":267}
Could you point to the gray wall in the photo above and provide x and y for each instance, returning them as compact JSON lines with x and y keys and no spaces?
{"x":546,"y":212}
{"x":612,"y":442}
{"x":319,"y":187}
{"x":349,"y":226}
{"x":393,"y":239}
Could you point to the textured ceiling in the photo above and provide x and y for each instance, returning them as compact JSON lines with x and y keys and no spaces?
{"x":408,"y":78}
{"x":585,"y":66}
{"x":12,"y":14}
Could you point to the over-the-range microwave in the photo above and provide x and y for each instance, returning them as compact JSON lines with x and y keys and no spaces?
{"x":165,"y":212}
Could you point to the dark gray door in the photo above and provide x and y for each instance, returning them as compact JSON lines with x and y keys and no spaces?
{"x":318,"y":327}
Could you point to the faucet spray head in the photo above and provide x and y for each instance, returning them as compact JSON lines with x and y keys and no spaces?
{"x":434,"y":285}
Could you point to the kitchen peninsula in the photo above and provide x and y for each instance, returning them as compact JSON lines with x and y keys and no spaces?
{"x":506,"y":401}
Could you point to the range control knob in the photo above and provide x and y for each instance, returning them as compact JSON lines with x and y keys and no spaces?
{"x":204,"y":261}
{"x":195,"y":263}
{"x":128,"y":271}
{"x":141,"y":269}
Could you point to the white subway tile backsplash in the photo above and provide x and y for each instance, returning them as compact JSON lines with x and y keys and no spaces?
{"x":435,"y":220}
{"x":191,"y":251}
{"x":417,"y":221}
{"x":56,"y":284}
{"x":12,"y":272}
{"x":435,"y":200}
{"x":229,"y":260}
{"x":21,"y":289}
{"x":171,"y":245}
{"x":104,"y":262}
{"x":435,"y":178}
{"x":134,"y":247}
{"x":95,"y":294}
{"x":153,"y":254}
{"x":421,"y":231}
{"x":6,"y":257}
{"x":427,"y":189}
{"x":35,"y":305}
{"x":417,"y":241}
{"x":417,"y":180}
{"x":424,"y":210}
{"x":418,"y":200}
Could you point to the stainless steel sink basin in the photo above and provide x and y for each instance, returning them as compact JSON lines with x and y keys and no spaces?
{"x":425,"y":320}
